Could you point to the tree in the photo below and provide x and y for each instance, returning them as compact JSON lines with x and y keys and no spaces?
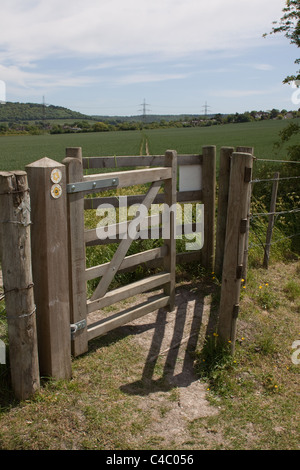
{"x":289,"y":24}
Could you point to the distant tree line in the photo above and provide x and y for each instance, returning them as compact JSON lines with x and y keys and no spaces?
{"x":28,"y":118}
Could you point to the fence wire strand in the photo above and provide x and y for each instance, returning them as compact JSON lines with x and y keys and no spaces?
{"x":275,"y":161}
{"x":265,"y":214}
{"x":272,"y":243}
{"x":284,"y":178}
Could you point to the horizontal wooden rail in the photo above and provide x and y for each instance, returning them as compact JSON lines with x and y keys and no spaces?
{"x":120,"y":229}
{"x":133,"y":177}
{"x":146,"y":234}
{"x":105,"y":325}
{"x":128,"y":262}
{"x":150,"y":259}
{"x":187,"y":196}
{"x":127,"y":291}
{"x":135,"y":161}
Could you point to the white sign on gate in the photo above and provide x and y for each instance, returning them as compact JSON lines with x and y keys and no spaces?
{"x":2,"y":353}
{"x":190,"y":178}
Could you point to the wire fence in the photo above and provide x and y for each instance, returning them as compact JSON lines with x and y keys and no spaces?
{"x":276,"y":161}
{"x":272,"y":214}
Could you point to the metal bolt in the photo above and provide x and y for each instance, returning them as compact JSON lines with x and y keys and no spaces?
{"x":114,"y":181}
{"x":94,"y":184}
{"x":73,"y":187}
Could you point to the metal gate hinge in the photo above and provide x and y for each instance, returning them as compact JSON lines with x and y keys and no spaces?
{"x":243,"y":226}
{"x":248,"y":175}
{"x":92,"y":185}
{"x":236,"y":310}
{"x":80,"y":325}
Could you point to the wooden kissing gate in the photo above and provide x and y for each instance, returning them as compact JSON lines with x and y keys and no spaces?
{"x":63,"y":319}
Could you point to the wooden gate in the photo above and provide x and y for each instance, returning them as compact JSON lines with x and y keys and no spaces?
{"x":83,"y":330}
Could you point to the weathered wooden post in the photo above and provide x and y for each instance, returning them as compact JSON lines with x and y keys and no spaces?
{"x":77,"y":257}
{"x":209,"y":201}
{"x":271,"y":220}
{"x":246,"y":249}
{"x":224,"y":176}
{"x":236,"y":228}
{"x":47,"y":182}
{"x":18,"y":283}
{"x":170,"y":200}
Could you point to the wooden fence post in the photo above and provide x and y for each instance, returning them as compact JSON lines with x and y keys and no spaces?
{"x":224,"y":176}
{"x":236,"y":227}
{"x":209,"y":201}
{"x":271,"y":220}
{"x":18,"y":284}
{"x":246,"y":250}
{"x":77,"y":256}
{"x":47,"y":182}
{"x":170,"y":200}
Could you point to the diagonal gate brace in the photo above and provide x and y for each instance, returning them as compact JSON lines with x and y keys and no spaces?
{"x":123,"y":248}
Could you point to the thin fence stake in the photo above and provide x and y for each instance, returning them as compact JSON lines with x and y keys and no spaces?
{"x":271,"y":221}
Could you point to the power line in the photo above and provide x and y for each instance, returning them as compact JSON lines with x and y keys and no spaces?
{"x":144,"y":110}
{"x":205,"y":108}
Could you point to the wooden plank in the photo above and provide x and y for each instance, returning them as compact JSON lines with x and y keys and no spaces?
{"x":119,"y":230}
{"x":50,"y":268}
{"x":133,"y":177}
{"x":170,"y":200}
{"x":135,"y":161}
{"x":104,"y":326}
{"x":187,"y":196}
{"x":145,"y":234}
{"x":18,"y":284}
{"x":128,"y":291}
{"x":224,"y":176}
{"x":246,"y":249}
{"x":123,"y":247}
{"x":234,"y":247}
{"x":77,"y":261}
{"x":209,"y":201}
{"x":128,"y":262}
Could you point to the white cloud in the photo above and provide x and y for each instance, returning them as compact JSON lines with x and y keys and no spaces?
{"x":241,"y":93}
{"x":264,"y":67}
{"x":148,"y":77}
{"x":124,"y":42}
{"x":116,"y":27}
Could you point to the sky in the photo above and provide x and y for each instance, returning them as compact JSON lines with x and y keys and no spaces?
{"x":124,"y":57}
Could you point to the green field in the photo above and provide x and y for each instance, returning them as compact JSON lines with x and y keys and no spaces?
{"x":19,"y":150}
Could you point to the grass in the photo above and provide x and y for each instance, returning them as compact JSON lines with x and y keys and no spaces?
{"x":18,"y":151}
{"x":255,"y":391}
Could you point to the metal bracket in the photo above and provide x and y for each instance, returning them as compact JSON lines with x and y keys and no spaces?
{"x":92,"y":185}
{"x":248,"y":175}
{"x":239,"y":271}
{"x":80,"y":325}
{"x":243,"y":226}
{"x":236,"y":310}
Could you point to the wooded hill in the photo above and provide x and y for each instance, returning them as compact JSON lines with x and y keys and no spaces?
{"x":19,"y":112}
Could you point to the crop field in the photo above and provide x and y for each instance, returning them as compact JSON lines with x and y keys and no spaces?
{"x":19,"y":150}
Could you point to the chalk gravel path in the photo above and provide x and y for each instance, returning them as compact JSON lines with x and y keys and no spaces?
{"x":167,"y":386}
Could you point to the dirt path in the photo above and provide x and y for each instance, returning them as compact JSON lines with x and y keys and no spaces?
{"x":144,"y":148}
{"x":168,"y":388}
